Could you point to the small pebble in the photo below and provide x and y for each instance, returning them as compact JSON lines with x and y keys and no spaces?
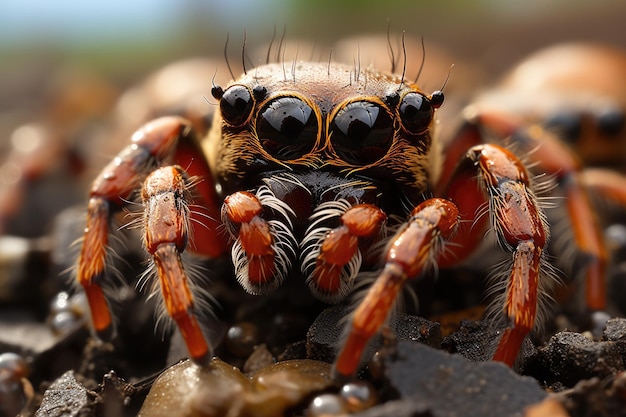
{"x":616,"y":236}
{"x":62,"y":322}
{"x":15,"y":389}
{"x":60,"y":303}
{"x":67,"y":312}
{"x":598,"y":323}
{"x":359,"y":395}
{"x":13,"y":366}
{"x":242,"y":338}
{"x":327,"y":405}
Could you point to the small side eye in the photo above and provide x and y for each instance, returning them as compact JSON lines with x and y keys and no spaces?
{"x":611,"y":122}
{"x":416,"y":112}
{"x":287,"y":127}
{"x":236,"y":105}
{"x":436,"y":99}
{"x":362,"y":132}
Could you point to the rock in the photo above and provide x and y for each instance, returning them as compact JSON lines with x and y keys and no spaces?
{"x":188,"y":390}
{"x":49,"y":354}
{"x":325,"y":334}
{"x":570,"y":357}
{"x":417,"y":329}
{"x":477,"y":341}
{"x":615,"y":331}
{"x":449,"y":385}
{"x":594,"y":398}
{"x":21,"y":332}
{"x":66,"y":397}
{"x":260,"y":358}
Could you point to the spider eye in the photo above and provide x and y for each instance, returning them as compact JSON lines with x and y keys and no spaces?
{"x":416,"y":113}
{"x":287,"y":127}
{"x":236,"y":105}
{"x":436,"y":99}
{"x":362,"y":132}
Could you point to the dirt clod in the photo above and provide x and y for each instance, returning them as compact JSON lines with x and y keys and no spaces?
{"x":66,"y":397}
{"x":571,"y":357}
{"x":450,"y":385}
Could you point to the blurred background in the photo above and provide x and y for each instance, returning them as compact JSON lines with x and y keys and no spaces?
{"x":122,"y":40}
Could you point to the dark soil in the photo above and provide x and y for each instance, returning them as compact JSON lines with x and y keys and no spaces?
{"x":411,"y":365}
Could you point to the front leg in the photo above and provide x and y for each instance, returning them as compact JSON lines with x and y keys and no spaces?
{"x":412,"y":249}
{"x":165,"y":197}
{"x":116,"y":184}
{"x":520,"y":227}
{"x":164,"y":139}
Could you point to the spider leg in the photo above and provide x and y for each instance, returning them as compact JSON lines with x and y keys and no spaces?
{"x":556,"y":158}
{"x":117,"y":181}
{"x":167,"y":222}
{"x":551,"y":156}
{"x":609,"y":186}
{"x":152,"y":145}
{"x":412,"y":248}
{"x":520,"y":227}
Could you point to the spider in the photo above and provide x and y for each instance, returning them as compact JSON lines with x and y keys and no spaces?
{"x":324,"y":173}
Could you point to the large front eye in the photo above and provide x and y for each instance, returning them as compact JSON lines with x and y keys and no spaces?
{"x":236,"y":105}
{"x":287,"y":127}
{"x":362,"y":132}
{"x":416,"y":113}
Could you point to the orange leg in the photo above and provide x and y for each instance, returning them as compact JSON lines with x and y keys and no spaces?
{"x":468,"y":135}
{"x":156,"y":142}
{"x":554,"y":157}
{"x":589,"y":241}
{"x":521,"y":300}
{"x":520,"y":227}
{"x":167,"y":221}
{"x":411,"y":249}
{"x":609,"y":186}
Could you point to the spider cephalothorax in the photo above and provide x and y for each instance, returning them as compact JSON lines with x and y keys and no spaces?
{"x":372,"y":125}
